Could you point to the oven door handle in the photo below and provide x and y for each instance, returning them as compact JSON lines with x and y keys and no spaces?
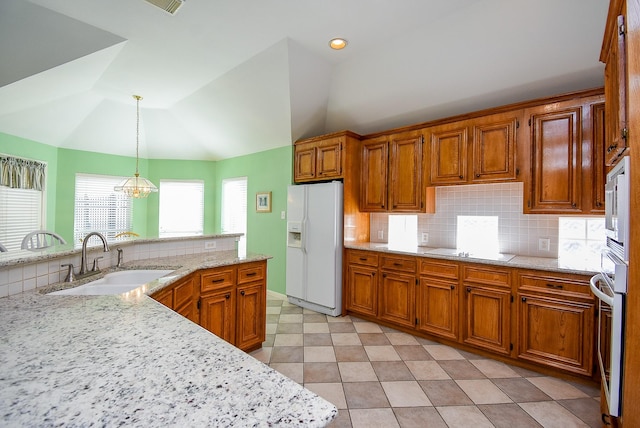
{"x":593,"y":284}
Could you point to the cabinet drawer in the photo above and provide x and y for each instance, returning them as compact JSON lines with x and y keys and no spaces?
{"x":487,"y":276}
{"x":439,"y":269}
{"x":398,"y":263}
{"x":218,"y":278}
{"x":182,"y":293}
{"x":250,"y":272}
{"x":363,"y":258}
{"x":553,"y":284}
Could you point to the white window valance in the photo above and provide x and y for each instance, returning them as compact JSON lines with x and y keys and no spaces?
{"x":21,"y":173}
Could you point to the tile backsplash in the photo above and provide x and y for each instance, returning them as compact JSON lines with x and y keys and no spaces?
{"x":517,"y":233}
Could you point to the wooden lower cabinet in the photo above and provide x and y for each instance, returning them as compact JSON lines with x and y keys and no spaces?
{"x":181,"y":298}
{"x":250,"y":316}
{"x":487,"y":319}
{"x":397,"y":298}
{"x":217,"y":313}
{"x":437,"y":308}
{"x":362,"y":291}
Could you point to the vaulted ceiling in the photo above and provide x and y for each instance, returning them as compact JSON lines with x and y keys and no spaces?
{"x":225,"y":78}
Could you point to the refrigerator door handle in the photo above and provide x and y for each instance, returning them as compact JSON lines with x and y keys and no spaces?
{"x":303,"y":236}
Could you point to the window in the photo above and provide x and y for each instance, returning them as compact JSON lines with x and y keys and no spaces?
{"x":98,"y":208}
{"x":234,"y":209}
{"x":581,"y":239}
{"x":181,"y":208}
{"x":403,"y":231}
{"x":477,"y":235}
{"x":21,"y":212}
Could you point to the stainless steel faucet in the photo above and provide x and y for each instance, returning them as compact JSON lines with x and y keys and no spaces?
{"x":83,"y":261}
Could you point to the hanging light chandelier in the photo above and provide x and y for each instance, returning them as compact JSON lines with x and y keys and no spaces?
{"x":136,"y":186}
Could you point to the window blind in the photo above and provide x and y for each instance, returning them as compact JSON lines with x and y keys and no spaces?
{"x":181,"y":208}
{"x":98,"y":208}
{"x":20,"y":214}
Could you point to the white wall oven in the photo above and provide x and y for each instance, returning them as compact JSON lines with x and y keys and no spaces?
{"x":610,"y":285}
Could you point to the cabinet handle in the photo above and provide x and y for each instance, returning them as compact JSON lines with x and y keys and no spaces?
{"x":556,"y":286}
{"x":252,"y":273}
{"x":524,"y":299}
{"x":397,"y":264}
{"x":363,"y":259}
{"x":217,"y":280}
{"x":605,"y":418}
{"x":226,"y":296}
{"x":242,"y":293}
{"x":468,"y":289}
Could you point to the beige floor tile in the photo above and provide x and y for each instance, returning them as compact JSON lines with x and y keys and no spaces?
{"x":272,"y":318}
{"x":494,"y":369}
{"x":413,"y":353}
{"x":291,"y":370}
{"x":550,"y":414}
{"x":373,"y":339}
{"x":274,"y":309}
{"x":402,"y":339}
{"x":483,"y":391}
{"x":271,"y":328}
{"x":321,"y":373}
{"x":382,"y":353}
{"x":373,"y":418}
{"x":317,"y":339}
{"x":332,"y":392}
{"x":314,"y":318}
{"x":289,"y":328}
{"x":288,"y":340}
{"x":350,"y":353}
{"x":290,"y":318}
{"x":508,"y":416}
{"x":365,"y":395}
{"x":357,"y":372}
{"x":345,"y":339}
{"x":443,"y":352}
{"x":419,"y":417}
{"x":587,"y":409}
{"x":319,"y":354}
{"x":262,"y":355}
{"x":315,"y":327}
{"x":426,"y":370}
{"x":464,"y":416}
{"x":461,"y":369}
{"x":391,"y":370}
{"x":405,"y":394}
{"x":338,"y":319}
{"x":287,"y":354}
{"x":520,"y":390}
{"x":445,"y":393}
{"x":343,"y":420}
{"x":291,"y":310}
{"x":367,"y":327}
{"x":341,"y":327}
{"x":557,"y":388}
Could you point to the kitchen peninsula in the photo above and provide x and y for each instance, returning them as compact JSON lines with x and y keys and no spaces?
{"x":129,"y":360}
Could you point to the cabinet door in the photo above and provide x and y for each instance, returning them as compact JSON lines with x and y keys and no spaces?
{"x":494,"y":148}
{"x":487,"y":318}
{"x":329,"y":159}
{"x":362,"y":292}
{"x":373,"y":183}
{"x":217,"y":313}
{"x":165,"y":297}
{"x":448,"y":145}
{"x":598,"y":174}
{"x":304,"y":162}
{"x":438,"y":307}
{"x":397,"y":298}
{"x":556,"y":333}
{"x":556,"y":142}
{"x":190,"y":312}
{"x":615,"y":90}
{"x":250,"y":316}
{"x":405,"y":170}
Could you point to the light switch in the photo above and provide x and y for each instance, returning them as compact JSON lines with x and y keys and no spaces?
{"x":283,"y":215}
{"x":544,"y":244}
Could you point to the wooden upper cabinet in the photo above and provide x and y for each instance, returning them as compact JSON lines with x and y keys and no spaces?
{"x":598,"y":171}
{"x":373,"y":184}
{"x":448,"y":144}
{"x":477,"y":150}
{"x":320,"y":158}
{"x":614,"y":55}
{"x":391,"y":175}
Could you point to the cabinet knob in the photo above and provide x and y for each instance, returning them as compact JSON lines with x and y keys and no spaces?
{"x":242,"y":293}
{"x":477,"y":175}
{"x":461,"y":177}
{"x":468,"y":289}
{"x":524,"y":299}
{"x":453,"y":287}
{"x":227,"y":296}
{"x":384,"y":275}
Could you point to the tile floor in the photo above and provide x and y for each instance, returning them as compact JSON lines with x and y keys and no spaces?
{"x":380,"y":377}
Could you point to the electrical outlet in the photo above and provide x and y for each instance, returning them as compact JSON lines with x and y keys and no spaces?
{"x":209,"y":245}
{"x":425,"y":237}
{"x":283,"y":215}
{"x":544,"y":244}
{"x":381,"y":234}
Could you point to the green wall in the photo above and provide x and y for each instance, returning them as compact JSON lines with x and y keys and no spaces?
{"x":266,"y":232}
{"x":266,"y":171}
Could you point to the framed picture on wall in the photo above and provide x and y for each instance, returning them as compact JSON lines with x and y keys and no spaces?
{"x":263,"y":202}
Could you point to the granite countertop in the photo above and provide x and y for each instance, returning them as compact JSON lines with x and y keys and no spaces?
{"x":116,"y":360}
{"x":575,"y":266}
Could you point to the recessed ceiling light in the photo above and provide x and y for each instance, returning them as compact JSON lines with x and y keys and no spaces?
{"x":338,"y":43}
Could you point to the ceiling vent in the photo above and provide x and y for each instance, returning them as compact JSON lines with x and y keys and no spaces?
{"x":170,"y":6}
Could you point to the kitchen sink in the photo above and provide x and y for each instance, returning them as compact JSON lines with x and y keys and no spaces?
{"x":471,"y":255}
{"x":115,"y":283}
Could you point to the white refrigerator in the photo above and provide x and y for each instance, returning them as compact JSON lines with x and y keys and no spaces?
{"x":314,"y":247}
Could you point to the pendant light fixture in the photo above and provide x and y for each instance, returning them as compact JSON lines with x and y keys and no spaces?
{"x":136,"y":186}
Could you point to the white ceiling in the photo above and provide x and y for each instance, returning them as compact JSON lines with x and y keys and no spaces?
{"x":224,"y":78}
